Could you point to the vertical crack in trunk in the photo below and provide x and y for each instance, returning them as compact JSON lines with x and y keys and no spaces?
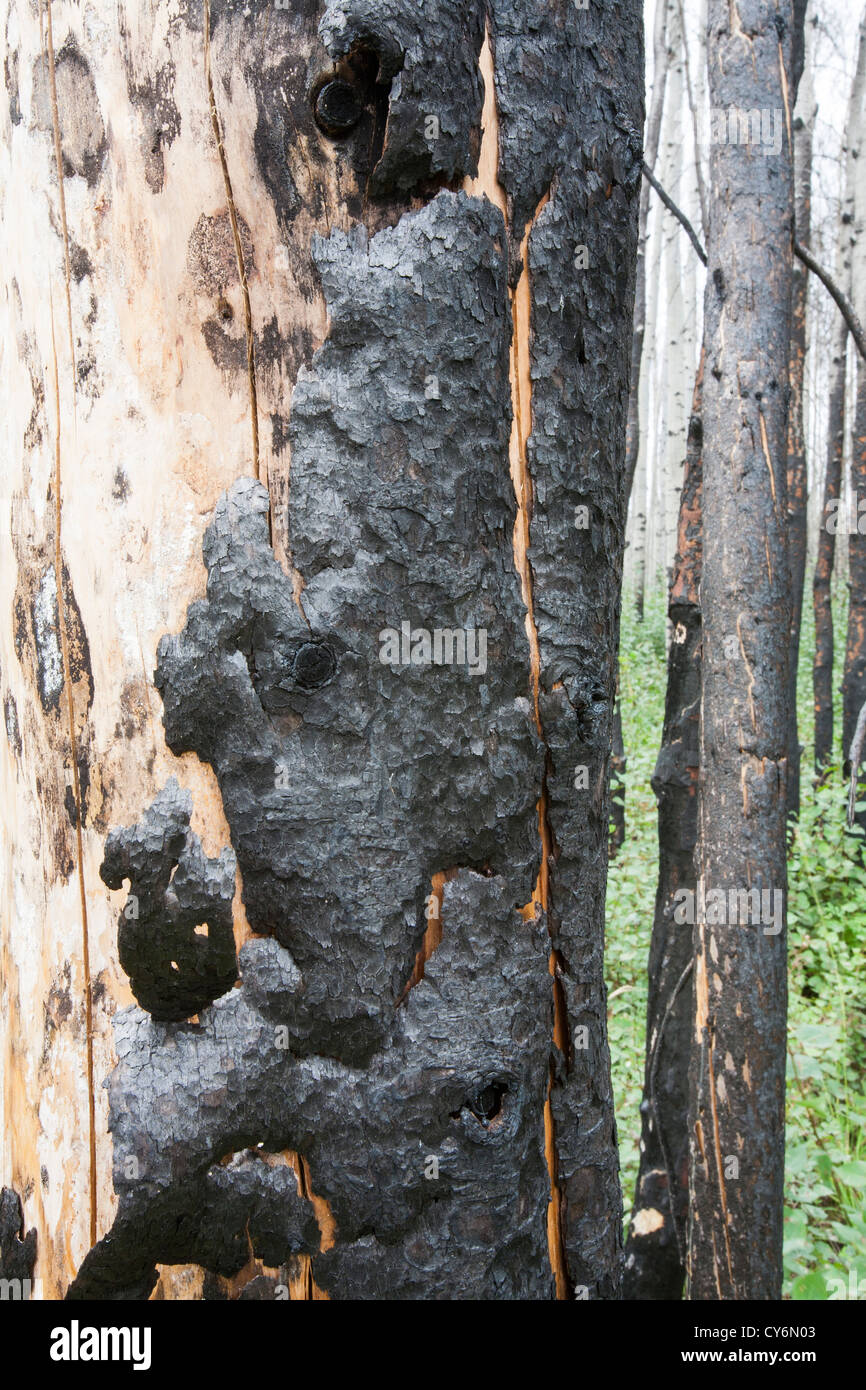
{"x":239,"y":250}
{"x":304,"y":1288}
{"x":487,"y":184}
{"x":433,"y":933}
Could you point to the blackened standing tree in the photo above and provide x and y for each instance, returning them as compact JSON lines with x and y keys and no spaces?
{"x":737,"y":1070}
{"x":286,"y":230}
{"x":655,"y":1249}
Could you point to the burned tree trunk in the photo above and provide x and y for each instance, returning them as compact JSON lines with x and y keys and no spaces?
{"x":321,"y":823}
{"x":656,"y":1249}
{"x":737,"y":1072}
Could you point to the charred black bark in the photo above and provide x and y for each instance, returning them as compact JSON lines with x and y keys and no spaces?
{"x":174,"y":936}
{"x":737,"y":1073}
{"x":381,"y":725}
{"x":581,"y":321}
{"x":656,"y":1245}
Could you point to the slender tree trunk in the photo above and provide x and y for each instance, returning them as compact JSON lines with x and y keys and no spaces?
{"x":648,"y":463}
{"x":822,"y":669}
{"x":655,"y":1249}
{"x":737,"y":1071}
{"x":306,"y":854}
{"x":854,"y":674}
{"x":646,"y":298}
{"x":676,"y":365}
{"x":635,"y":495}
{"x":798,"y":496}
{"x":651,"y":149}
{"x":693,"y":97}
{"x":834,"y":516}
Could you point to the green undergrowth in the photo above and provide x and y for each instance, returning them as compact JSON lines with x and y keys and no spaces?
{"x":825,"y":1167}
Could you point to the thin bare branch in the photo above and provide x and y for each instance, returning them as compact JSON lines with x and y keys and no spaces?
{"x":677,"y":212}
{"x":846,"y":308}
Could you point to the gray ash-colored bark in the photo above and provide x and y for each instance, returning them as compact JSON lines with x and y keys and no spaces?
{"x":737,"y":1075}
{"x":350,"y":775}
{"x":174,"y":933}
{"x":656,"y":1244}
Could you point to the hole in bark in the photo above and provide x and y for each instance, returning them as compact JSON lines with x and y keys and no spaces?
{"x":225,"y":310}
{"x":314,"y":665}
{"x":486,"y":1105}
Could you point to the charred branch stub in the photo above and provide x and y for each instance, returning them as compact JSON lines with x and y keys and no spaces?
{"x":426,"y":70}
{"x":175,"y":937}
{"x":338,"y":106}
{"x":355,"y":764}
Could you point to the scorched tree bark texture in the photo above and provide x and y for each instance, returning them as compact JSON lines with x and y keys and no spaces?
{"x":320,"y":825}
{"x":737,"y":1080}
